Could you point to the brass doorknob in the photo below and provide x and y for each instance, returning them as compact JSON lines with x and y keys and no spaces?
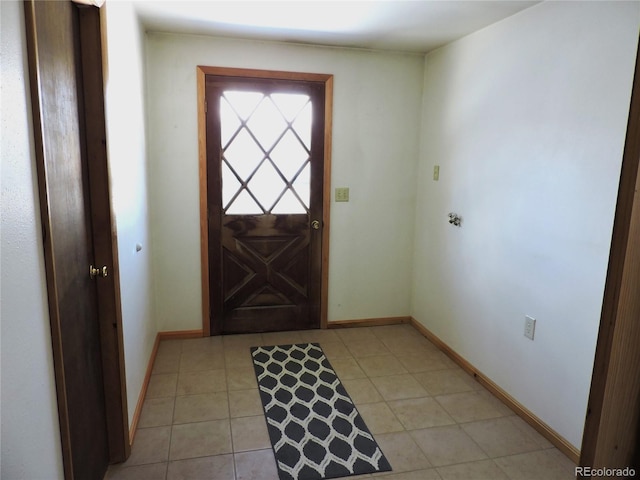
{"x":315,"y":225}
{"x":97,"y":272}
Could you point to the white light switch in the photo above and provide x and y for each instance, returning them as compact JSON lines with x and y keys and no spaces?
{"x":529,"y":327}
{"x":436,"y":172}
{"x":342,"y":194}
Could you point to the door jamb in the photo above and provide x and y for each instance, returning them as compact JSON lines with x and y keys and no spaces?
{"x":612,"y":426}
{"x":201,"y":73}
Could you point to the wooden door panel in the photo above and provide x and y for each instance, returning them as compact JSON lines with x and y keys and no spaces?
{"x":57,"y":103}
{"x":265,"y":270}
{"x":265,"y":284}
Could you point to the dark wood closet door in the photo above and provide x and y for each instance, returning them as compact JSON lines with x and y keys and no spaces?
{"x":58,"y":107}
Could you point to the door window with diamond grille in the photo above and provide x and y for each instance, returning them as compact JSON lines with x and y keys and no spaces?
{"x":265,"y":156}
{"x":266,"y":142}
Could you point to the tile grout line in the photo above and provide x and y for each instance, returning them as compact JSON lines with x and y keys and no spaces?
{"x":541,"y":448}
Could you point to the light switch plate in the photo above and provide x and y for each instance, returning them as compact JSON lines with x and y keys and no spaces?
{"x":342,"y":194}
{"x":436,"y":172}
{"x":529,"y":327}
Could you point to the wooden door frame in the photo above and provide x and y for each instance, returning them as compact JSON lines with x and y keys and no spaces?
{"x":103,"y":232}
{"x":202,"y":72}
{"x":612,"y":427}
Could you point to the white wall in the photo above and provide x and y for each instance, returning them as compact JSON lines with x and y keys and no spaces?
{"x":126,"y":144}
{"x":30,"y":434}
{"x":375,"y":147}
{"x":527,"y":120}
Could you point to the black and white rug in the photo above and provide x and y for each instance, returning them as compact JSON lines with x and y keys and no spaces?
{"x":314,"y":427}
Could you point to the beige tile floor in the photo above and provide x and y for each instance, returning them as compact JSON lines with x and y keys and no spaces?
{"x":202,"y":418}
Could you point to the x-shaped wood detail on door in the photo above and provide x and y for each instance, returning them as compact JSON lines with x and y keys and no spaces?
{"x":267,"y":267}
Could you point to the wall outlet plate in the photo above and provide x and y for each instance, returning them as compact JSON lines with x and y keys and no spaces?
{"x":529,"y":327}
{"x":342,"y":194}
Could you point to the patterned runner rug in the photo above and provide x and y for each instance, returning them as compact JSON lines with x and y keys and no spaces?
{"x":314,"y":427}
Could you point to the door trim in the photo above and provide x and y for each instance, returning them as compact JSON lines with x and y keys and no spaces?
{"x":201,"y":73}
{"x":104,"y":237}
{"x":612,"y":425}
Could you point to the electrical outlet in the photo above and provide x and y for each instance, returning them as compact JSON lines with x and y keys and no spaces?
{"x":342,"y":194}
{"x":529,"y":327}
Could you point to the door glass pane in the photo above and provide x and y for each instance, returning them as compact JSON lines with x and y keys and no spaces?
{"x":244,"y":205}
{"x":273,"y":143}
{"x":302,"y":185}
{"x":243,"y":103}
{"x":289,"y":155}
{"x":302,"y":125}
{"x":230,"y":185}
{"x":243,"y":155}
{"x":289,"y":204}
{"x":290,"y":104}
{"x":266,"y":185}
{"x":267,"y":123}
{"x":230,"y":122}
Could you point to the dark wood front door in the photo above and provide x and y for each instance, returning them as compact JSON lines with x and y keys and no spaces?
{"x":67,"y":160}
{"x":265,"y":155}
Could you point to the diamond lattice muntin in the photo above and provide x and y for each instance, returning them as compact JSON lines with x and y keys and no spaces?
{"x":266,"y":148}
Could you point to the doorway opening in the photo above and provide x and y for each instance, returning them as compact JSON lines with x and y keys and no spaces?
{"x":265,"y":142}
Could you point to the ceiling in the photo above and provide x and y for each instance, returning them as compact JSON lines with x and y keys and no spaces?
{"x":406,"y":25}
